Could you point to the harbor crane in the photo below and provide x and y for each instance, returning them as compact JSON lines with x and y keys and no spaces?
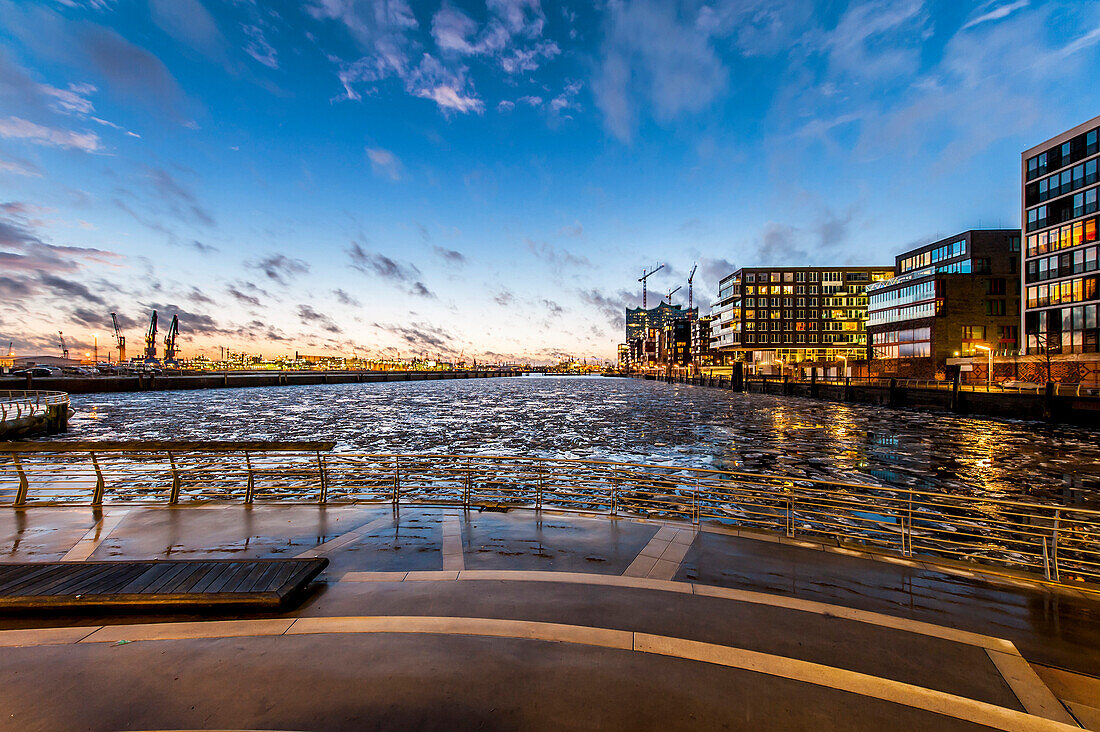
{"x":170,"y":340}
{"x":691,"y":288}
{"x":151,"y":340}
{"x":121,"y":339}
{"x":645,"y":276}
{"x":64,"y":351}
{"x":671,"y":293}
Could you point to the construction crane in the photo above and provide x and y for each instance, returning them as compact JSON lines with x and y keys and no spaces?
{"x":170,"y":340}
{"x":691,"y":288}
{"x":151,"y":339}
{"x":64,"y":351}
{"x":671,"y":293}
{"x":121,"y":339}
{"x":645,"y":276}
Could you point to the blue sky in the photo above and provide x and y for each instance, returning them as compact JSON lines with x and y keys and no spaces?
{"x":489,"y":177}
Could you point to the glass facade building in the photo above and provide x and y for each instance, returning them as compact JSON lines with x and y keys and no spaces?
{"x":952,"y":297}
{"x":1059,"y":185}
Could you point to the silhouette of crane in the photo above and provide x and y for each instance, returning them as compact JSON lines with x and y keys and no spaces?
{"x":64,"y":351}
{"x":691,"y":288}
{"x":170,"y":340}
{"x":151,"y":339}
{"x":645,"y":276}
{"x":671,"y":293}
{"x":121,"y":339}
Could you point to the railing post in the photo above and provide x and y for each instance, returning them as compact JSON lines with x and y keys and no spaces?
{"x":790,"y":515}
{"x":174,"y":497}
{"x":695,"y":506}
{"x":324,"y":477}
{"x":100,"y":484}
{"x":1054,"y":545}
{"x":538,"y":486}
{"x":466,"y":486}
{"x":24,"y":484}
{"x":396,"y":480}
{"x":250,"y":492}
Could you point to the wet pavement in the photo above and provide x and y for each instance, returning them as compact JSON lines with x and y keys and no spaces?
{"x":750,"y":633}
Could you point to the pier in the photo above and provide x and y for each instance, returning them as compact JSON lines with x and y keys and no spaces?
{"x":1052,"y":402}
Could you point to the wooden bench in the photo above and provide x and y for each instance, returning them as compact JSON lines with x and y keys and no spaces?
{"x":156,"y":586}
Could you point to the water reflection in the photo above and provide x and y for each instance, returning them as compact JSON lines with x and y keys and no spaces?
{"x":628,"y":420}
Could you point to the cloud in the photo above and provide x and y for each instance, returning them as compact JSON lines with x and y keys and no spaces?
{"x":188,"y":21}
{"x":654,"y":56}
{"x":575,"y":230}
{"x":611,"y":306}
{"x":258,"y":47}
{"x":242,"y":297}
{"x":420,"y":336}
{"x":311,"y":317}
{"x":530,"y":101}
{"x":510,"y":37}
{"x":69,"y":289}
{"x":504,"y":298}
{"x":554,"y":256}
{"x":280,"y":268}
{"x":131,"y":71}
{"x":20,"y":129}
{"x":552,"y":307}
{"x":384,"y":163}
{"x":178,"y":198}
{"x":379,"y":265}
{"x":18,"y":166}
{"x":992,"y":11}
{"x":345,"y":299}
{"x":506,"y":106}
{"x":33,"y":254}
{"x":450,"y":256}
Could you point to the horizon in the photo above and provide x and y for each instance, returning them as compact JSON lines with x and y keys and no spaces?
{"x":491,"y":178}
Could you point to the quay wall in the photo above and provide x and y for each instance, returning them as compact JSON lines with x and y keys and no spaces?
{"x":231,"y":380}
{"x":1046,"y":406}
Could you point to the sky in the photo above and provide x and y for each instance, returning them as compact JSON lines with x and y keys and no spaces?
{"x":489,"y":178}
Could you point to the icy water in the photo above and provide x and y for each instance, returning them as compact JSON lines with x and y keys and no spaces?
{"x":628,"y":420}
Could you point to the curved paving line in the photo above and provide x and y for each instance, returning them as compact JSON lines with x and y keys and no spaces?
{"x":646,"y":583}
{"x":897,"y":692}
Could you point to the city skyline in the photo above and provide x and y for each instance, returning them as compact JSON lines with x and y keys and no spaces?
{"x":491,"y":178}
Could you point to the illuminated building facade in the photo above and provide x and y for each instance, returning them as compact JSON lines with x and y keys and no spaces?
{"x":1059,"y":207}
{"x":770,"y":316}
{"x":954,"y":297}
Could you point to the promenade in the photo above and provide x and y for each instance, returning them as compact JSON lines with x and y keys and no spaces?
{"x":441,"y":618}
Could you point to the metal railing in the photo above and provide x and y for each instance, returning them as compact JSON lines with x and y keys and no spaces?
{"x":18,"y":404}
{"x":1059,"y":543}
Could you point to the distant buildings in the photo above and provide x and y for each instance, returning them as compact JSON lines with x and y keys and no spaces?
{"x":954,"y":297}
{"x":1058,"y":207}
{"x":651,"y":334}
{"x":777,"y":316}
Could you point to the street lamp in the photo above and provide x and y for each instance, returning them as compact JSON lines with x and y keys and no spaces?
{"x":989,"y":372}
{"x":844,"y":369}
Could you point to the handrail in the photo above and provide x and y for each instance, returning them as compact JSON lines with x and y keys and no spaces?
{"x":16,"y":404}
{"x":1059,"y":542}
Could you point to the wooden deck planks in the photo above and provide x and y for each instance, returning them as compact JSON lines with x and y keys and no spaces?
{"x":167,"y":584}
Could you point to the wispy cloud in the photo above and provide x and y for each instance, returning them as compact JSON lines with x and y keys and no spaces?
{"x":16,"y":128}
{"x":384,"y":163}
{"x":379,"y":265}
{"x":280,"y":268}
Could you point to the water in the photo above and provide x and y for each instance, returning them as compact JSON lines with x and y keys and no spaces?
{"x":626,"y":420}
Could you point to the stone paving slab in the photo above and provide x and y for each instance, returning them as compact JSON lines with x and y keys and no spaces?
{"x":426,"y":682}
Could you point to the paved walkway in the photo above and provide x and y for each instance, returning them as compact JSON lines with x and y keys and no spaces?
{"x":436,"y":618}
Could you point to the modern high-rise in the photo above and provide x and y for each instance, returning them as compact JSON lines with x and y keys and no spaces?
{"x":789,"y":315}
{"x":955,"y":297}
{"x":1059,"y":213}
